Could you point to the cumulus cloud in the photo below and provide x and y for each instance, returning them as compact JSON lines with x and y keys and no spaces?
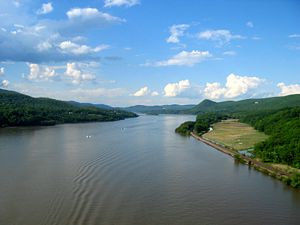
{"x":90,"y":14}
{"x":74,"y":73}
{"x":184,"y":58}
{"x":45,"y":9}
{"x":2,"y":71}
{"x":250,"y":24}
{"x":235,"y":86}
{"x":214,"y":90}
{"x":128,"y":3}
{"x":154,"y":93}
{"x":219,"y":36}
{"x":177,"y":31}
{"x":175,"y":89}
{"x":142,"y":92}
{"x":38,"y":73}
{"x":4,"y":83}
{"x":288,"y":89}
{"x":76,"y":49}
{"x":77,"y":76}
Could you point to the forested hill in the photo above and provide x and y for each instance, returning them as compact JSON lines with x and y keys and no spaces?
{"x":261,"y":104}
{"x":22,"y":110}
{"x":159,"y":109}
{"x":247,"y":105}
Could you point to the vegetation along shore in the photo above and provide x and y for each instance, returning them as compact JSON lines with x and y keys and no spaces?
{"x":274,"y":144}
{"x":17,"y":109}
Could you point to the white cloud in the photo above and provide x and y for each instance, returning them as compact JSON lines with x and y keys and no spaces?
{"x":184,"y":58}
{"x":294,"y":36}
{"x":214,"y":90}
{"x":220,"y":36}
{"x":288,"y":89}
{"x":4,"y":83}
{"x":231,"y":53}
{"x":128,"y":3}
{"x":154,"y":93}
{"x":90,"y":14}
{"x":177,"y":31}
{"x":74,"y":72}
{"x":44,"y":46}
{"x":142,"y":92}
{"x":38,"y":72}
{"x":235,"y":86}
{"x":2,"y":71}
{"x":250,"y":24}
{"x":25,"y":38}
{"x":77,"y":75}
{"x":76,"y":49}
{"x":175,"y":89}
{"x":45,"y":9}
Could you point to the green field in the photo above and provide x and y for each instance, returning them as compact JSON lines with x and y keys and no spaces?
{"x":234,"y":134}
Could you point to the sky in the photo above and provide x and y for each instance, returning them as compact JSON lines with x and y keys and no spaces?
{"x":151,"y":52}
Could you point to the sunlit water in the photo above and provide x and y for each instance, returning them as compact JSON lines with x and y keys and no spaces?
{"x":131,"y":172}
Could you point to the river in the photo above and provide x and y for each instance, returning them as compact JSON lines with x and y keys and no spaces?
{"x":131,"y":172}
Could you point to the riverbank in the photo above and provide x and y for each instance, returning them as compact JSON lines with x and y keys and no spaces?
{"x":260,"y":166}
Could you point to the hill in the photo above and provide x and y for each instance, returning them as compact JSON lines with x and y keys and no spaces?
{"x":17,"y":109}
{"x":85,"y":104}
{"x":262,"y":104}
{"x":159,"y":109}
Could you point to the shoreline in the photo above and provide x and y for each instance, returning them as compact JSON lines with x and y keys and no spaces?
{"x":260,"y":166}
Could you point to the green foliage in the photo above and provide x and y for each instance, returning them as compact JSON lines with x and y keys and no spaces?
{"x":21,"y":110}
{"x":186,"y":128}
{"x":293,"y":181}
{"x":248,"y":105}
{"x":283,"y":127}
{"x":204,"y":121}
{"x":239,"y":159}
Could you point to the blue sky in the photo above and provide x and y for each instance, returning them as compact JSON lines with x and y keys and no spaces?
{"x":127,"y":52}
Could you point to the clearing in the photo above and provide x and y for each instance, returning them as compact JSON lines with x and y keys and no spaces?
{"x":235,"y":135}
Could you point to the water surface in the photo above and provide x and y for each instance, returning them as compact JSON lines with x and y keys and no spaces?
{"x":136,"y":171}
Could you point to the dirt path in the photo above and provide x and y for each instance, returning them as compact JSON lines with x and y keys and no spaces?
{"x":257,"y":164}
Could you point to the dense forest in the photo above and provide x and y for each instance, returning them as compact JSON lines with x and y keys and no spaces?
{"x":282,"y":126}
{"x":202,"y":124}
{"x":21,"y":110}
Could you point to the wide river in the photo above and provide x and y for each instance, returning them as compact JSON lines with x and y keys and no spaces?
{"x":131,"y":172}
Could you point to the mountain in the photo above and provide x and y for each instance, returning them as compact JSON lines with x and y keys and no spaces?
{"x":273,"y":103}
{"x":159,"y":109}
{"x":17,"y":109}
{"x":84,"y":104}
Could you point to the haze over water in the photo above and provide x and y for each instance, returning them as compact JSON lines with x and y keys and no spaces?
{"x":136,"y":171}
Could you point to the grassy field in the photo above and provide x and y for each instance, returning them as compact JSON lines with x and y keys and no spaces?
{"x":233,"y":134}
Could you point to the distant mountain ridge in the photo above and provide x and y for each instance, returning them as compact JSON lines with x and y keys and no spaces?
{"x":86,"y":104}
{"x":272,"y":103}
{"x":159,"y":109}
{"x":207,"y":105}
